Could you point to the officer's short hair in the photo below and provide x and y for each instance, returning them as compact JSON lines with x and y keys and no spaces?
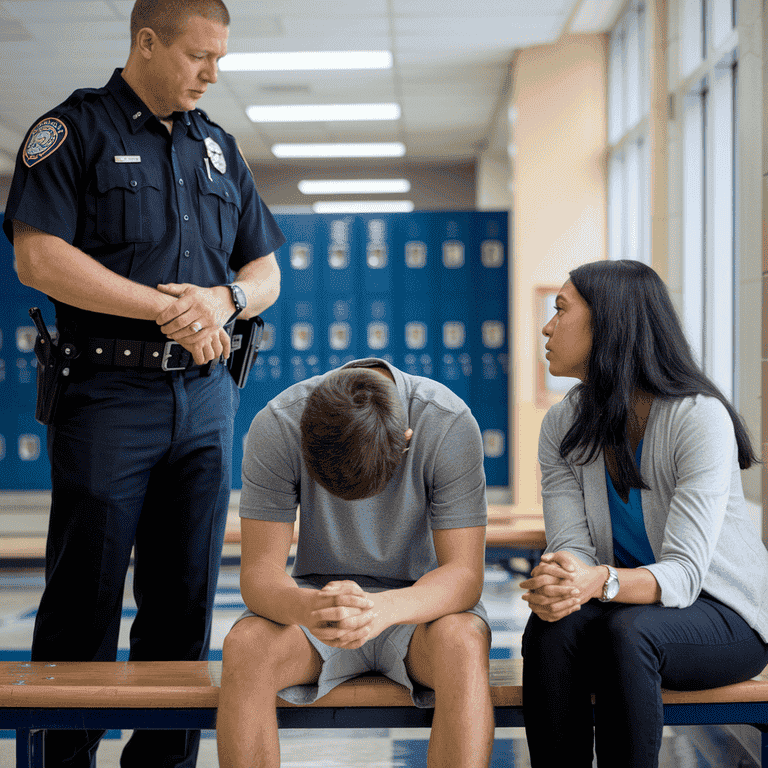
{"x":353,"y":433}
{"x":168,"y":18}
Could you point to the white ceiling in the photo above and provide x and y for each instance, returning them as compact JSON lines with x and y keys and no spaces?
{"x":450,"y":63}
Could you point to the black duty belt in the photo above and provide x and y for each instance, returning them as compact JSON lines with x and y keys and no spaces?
{"x":127,"y":353}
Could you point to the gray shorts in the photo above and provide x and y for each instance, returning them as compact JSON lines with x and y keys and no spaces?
{"x":384,"y":654}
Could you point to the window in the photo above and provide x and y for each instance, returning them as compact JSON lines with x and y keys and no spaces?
{"x":709,"y":186}
{"x":628,"y":100}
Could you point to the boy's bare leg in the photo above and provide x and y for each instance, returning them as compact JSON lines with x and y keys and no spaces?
{"x":259,"y":659}
{"x":450,"y":655}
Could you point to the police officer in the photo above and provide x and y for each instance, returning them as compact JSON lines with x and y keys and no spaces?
{"x":138,"y":217}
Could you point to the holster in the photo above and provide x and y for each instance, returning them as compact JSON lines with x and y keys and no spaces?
{"x":54,"y":363}
{"x":245,"y":339}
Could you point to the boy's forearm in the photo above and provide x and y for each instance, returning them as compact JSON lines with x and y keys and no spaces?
{"x":273,"y":594}
{"x":446,"y":590}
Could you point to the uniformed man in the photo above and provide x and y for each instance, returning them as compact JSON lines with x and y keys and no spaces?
{"x":138,"y":217}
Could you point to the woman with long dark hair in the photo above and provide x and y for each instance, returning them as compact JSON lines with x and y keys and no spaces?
{"x":654,"y":575}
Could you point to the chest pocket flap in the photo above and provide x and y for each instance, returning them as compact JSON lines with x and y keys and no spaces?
{"x":130,"y":206}
{"x":220,"y":205}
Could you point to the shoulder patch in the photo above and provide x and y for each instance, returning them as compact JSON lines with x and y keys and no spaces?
{"x":44,"y":139}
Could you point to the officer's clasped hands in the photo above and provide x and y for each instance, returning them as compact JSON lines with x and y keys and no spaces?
{"x":196,"y":319}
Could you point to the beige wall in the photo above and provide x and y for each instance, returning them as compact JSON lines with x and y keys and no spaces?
{"x":559,"y":134}
{"x":764,"y":354}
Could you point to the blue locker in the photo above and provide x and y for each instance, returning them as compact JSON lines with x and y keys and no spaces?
{"x":7,"y":435}
{"x":377,"y":316}
{"x":454,"y":308}
{"x":302,"y":283}
{"x":414,"y":249}
{"x":29,"y":465}
{"x":337,"y":241}
{"x":489,"y":339}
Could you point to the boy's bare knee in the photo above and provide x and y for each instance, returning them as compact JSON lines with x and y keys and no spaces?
{"x":251,"y":647}
{"x":259,"y":653}
{"x":459,"y":637}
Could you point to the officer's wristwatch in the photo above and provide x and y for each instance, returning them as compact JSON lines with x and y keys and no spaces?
{"x":239,"y":299}
{"x":611,"y":586}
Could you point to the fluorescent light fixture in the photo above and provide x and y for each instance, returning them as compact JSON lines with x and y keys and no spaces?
{"x":305,"y":60}
{"x":355,"y":187}
{"x":370,"y":206}
{"x":327,"y":113}
{"x":379,"y":149}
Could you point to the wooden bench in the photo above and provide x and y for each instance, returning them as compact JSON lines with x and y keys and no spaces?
{"x":35,"y":696}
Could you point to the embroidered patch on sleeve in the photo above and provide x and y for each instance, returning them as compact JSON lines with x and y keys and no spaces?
{"x":44,"y":139}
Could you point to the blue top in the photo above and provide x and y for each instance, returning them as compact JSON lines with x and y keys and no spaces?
{"x":631,"y":547}
{"x":101,"y":172}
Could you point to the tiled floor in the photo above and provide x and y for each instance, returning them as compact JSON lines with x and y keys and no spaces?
{"x":388,"y":748}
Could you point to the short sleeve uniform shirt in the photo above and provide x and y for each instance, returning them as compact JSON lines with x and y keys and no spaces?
{"x":102,"y":173}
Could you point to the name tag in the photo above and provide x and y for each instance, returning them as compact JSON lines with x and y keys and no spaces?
{"x":127,"y":158}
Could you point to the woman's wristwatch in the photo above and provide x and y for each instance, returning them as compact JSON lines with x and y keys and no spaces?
{"x":611,"y":586}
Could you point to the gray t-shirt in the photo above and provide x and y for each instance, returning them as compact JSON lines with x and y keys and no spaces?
{"x":440,"y":484}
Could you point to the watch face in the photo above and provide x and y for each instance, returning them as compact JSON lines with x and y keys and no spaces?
{"x":612,"y":587}
{"x":238,"y":296}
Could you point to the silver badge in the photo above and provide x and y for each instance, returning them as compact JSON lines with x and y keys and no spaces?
{"x":216,"y":155}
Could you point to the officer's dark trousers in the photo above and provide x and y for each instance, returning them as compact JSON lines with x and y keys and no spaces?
{"x":624,"y":654}
{"x":140,"y":458}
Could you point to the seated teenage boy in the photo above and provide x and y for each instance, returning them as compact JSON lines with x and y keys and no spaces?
{"x":388,"y":469}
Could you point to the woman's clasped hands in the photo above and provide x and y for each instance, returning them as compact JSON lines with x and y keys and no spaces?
{"x":560,"y":584}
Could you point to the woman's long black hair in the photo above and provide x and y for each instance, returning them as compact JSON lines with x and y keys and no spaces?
{"x":637,"y":343}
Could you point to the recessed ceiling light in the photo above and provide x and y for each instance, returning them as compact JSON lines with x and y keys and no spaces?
{"x":305,"y":60}
{"x":354,"y":187}
{"x":327,"y":113}
{"x":378,"y":149}
{"x":370,"y":206}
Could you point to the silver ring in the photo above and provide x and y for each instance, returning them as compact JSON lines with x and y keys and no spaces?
{"x":196,"y":326}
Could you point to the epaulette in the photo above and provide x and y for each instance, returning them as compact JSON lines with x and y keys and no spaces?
{"x":207,"y":119}
{"x":83,"y":94}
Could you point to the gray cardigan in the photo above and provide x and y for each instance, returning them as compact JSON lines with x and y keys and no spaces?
{"x":695,"y":514}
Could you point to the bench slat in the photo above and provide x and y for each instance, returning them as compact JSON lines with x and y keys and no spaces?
{"x":190,"y":684}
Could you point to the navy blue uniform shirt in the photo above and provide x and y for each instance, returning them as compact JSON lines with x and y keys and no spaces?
{"x":103,"y":173}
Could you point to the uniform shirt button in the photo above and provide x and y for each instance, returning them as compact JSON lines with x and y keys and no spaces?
{"x":181,"y":181}
{"x":186,"y":218}
{"x":134,"y":183}
{"x":186,"y":253}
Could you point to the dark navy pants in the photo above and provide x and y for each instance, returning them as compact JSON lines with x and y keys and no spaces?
{"x":144,"y":459}
{"x":624,"y":654}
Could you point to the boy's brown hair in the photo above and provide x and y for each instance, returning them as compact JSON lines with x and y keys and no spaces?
{"x":353,"y":433}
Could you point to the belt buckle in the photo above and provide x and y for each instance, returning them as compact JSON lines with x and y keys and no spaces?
{"x":167,"y":354}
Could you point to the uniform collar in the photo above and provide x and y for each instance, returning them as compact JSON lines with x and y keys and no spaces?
{"x":136,"y":111}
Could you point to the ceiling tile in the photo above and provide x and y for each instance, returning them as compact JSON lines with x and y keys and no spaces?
{"x":55,"y":10}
